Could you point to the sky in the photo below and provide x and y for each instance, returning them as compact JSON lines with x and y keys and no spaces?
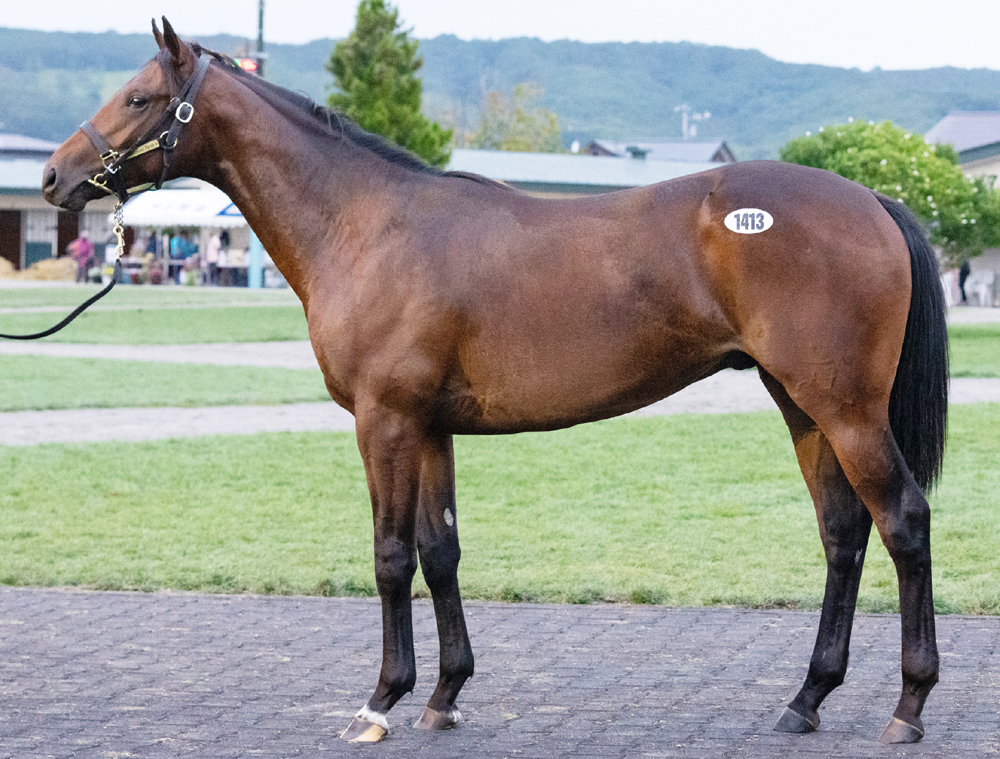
{"x":891,"y":34}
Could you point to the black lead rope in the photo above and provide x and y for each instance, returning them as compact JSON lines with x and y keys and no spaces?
{"x":79,"y":310}
{"x":119,"y":230}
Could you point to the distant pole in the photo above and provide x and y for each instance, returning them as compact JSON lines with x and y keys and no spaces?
{"x":689,"y":130}
{"x":255,"y":264}
{"x":260,"y":38}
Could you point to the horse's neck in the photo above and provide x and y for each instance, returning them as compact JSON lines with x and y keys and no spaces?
{"x":295,"y":190}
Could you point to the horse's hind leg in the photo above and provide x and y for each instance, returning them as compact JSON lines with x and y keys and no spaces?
{"x":844,"y":526}
{"x":874,"y":464}
{"x":437,"y":544}
{"x":863,"y":442}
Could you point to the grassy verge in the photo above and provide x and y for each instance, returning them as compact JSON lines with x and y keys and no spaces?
{"x":126,"y":296}
{"x":975,"y":350}
{"x":41,"y":383}
{"x":702,"y":510}
{"x":165,"y":326}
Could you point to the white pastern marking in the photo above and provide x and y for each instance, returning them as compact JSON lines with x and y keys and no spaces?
{"x":748,"y":221}
{"x":449,"y":518}
{"x":456,"y":714}
{"x":374,"y":717}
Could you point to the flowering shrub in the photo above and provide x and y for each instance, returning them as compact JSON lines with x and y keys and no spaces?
{"x":961,"y":214}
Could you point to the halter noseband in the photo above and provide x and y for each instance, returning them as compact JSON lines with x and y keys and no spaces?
{"x":179,"y":112}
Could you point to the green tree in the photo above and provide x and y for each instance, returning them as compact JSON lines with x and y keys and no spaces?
{"x":961,"y":214}
{"x":375,"y":72}
{"x":514,"y":121}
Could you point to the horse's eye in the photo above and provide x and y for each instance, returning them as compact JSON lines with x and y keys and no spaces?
{"x":137,"y":102}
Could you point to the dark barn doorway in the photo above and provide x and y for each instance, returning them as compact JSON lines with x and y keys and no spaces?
{"x":10,"y":237}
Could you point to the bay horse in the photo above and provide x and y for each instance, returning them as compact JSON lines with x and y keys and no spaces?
{"x":443,"y":303}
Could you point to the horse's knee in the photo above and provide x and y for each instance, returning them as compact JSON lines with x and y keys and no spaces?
{"x":439,"y":564}
{"x":395,"y":564}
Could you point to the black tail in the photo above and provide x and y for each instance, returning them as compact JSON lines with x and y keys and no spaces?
{"x":918,"y":406}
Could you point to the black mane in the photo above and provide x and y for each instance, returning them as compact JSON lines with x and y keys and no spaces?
{"x":337,"y":123}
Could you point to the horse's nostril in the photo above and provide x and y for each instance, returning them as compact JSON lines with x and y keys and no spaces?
{"x":50,"y":179}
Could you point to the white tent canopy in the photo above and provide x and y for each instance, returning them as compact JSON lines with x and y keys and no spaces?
{"x":203,"y":207}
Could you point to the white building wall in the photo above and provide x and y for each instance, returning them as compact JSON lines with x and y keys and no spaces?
{"x":40,"y":225}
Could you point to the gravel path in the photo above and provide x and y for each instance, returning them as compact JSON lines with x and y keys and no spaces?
{"x":726,"y":392}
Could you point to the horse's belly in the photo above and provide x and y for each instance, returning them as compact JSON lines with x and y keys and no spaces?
{"x":557,"y":394}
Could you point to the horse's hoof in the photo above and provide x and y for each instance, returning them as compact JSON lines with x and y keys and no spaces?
{"x":432,"y":719}
{"x":898,"y":731}
{"x":362,"y":731}
{"x":792,"y":722}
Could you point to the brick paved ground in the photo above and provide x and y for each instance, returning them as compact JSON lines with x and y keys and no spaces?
{"x":91,"y":674}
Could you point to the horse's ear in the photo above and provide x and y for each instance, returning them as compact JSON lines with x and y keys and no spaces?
{"x":159,"y":37}
{"x":179,"y":51}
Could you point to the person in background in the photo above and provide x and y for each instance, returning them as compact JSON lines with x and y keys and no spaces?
{"x":963,"y":274}
{"x":212,"y":258}
{"x":181,"y":249}
{"x":81,"y":250}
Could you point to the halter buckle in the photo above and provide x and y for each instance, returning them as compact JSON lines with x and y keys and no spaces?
{"x":108,"y":159}
{"x":187,"y":114}
{"x":167,"y":145}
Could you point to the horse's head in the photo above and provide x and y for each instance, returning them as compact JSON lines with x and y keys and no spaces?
{"x":145,"y":111}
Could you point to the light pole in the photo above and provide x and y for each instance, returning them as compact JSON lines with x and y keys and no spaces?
{"x":260,"y":38}
{"x":255,"y":266}
{"x":689,"y":130}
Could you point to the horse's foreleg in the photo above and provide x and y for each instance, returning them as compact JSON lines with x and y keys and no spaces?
{"x":391,"y":447}
{"x":437,"y":543}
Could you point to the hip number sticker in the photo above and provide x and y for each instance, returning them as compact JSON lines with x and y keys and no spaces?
{"x":749,"y":221}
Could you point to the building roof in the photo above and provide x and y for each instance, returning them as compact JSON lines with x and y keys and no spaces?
{"x":19,"y":146}
{"x":966,"y":130}
{"x":206,"y":206}
{"x":20,"y":175}
{"x":21,"y":162}
{"x":562,"y":172}
{"x":716,"y":152}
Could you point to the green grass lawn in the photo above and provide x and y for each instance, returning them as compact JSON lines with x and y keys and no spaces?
{"x":128,"y":296}
{"x":975,"y":350}
{"x":687,"y":510}
{"x":36,"y":383}
{"x":168,"y":325}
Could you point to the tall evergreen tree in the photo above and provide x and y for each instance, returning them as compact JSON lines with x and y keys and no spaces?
{"x":375,"y":71}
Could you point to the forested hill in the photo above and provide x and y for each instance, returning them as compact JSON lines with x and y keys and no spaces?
{"x":50,"y":82}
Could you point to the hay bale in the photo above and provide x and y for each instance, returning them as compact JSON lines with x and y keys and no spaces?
{"x":7,"y":270}
{"x":52,"y":270}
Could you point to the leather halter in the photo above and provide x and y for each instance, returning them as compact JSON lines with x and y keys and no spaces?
{"x":179,"y":112}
